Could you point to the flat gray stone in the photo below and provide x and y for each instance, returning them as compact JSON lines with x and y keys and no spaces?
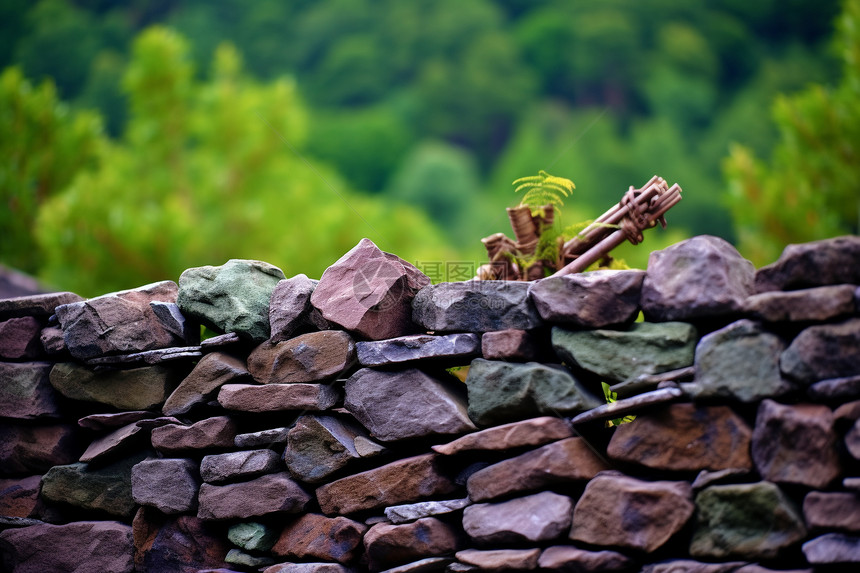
{"x":37,"y":305}
{"x":475,"y":306}
{"x":235,"y":466}
{"x":593,"y":299}
{"x":836,"y":389}
{"x":397,"y":514}
{"x":808,"y":305}
{"x":268,"y":438}
{"x":406,"y":404}
{"x":818,"y":263}
{"x":539,"y":517}
{"x":823,"y":351}
{"x":832,"y":548}
{"x":450,"y":347}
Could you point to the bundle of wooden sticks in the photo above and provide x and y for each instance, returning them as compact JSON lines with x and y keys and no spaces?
{"x":639,"y":209}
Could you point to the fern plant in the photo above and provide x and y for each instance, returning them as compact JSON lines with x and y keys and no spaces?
{"x":543,"y":189}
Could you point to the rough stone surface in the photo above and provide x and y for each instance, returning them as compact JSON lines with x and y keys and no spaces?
{"x":406,"y":404}
{"x":315,"y":536}
{"x":217,"y":432}
{"x":246,"y":560}
{"x":369,"y":292}
{"x":740,"y":361}
{"x":133,"y":389}
{"x":52,"y":341}
{"x":701,"y":277}
{"x":398,"y":514}
{"x":818,"y":263}
{"x":590,"y":300}
{"x":320,"y":445}
{"x":18,"y":496}
{"x":852,"y":440}
{"x":533,"y":432}
{"x":621,"y":511}
{"x":211,"y":372}
{"x":618,"y":355}
{"x":25,"y":450}
{"x":502,"y":392}
{"x":105,"y":488}
{"x":539,"y":517}
{"x":181,"y":544}
{"x":116,"y":441}
{"x":234,"y":466}
{"x":233,"y":297}
{"x":824,"y":351}
{"x":570,"y":460}
{"x":271,"y":493}
{"x":745,"y":521}
{"x":832,"y":548}
{"x":795,"y":444}
{"x":278,"y":397}
{"x":20,"y":339}
{"x":169,"y":485}
{"x":832,"y":510}
{"x":835,"y":389}
{"x":114,"y":420}
{"x":118,"y":323}
{"x":510,"y":344}
{"x":290,"y":310}
{"x":406,"y":480}
{"x":815,"y":304}
{"x":253,"y":536}
{"x":451,"y":347}
{"x":26,"y":392}
{"x":308,"y":568}
{"x":691,"y":566}
{"x":268,"y":438}
{"x":500,"y":559}
{"x":568,"y":558}
{"x":475,"y":306}
{"x":311,"y":357}
{"x":37,"y":305}
{"x":684,"y":437}
{"x":79,"y":547}
{"x":387,"y":545}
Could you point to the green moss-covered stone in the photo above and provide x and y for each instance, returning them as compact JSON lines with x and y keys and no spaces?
{"x":618,"y":355}
{"x":231,"y":298}
{"x":502,"y":392}
{"x":745,"y":521}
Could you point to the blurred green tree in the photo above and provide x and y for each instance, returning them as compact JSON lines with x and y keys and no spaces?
{"x":208,"y":171}
{"x":43,"y":145}
{"x":809,"y":188}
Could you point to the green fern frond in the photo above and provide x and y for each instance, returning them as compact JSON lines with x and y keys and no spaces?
{"x":543,"y":189}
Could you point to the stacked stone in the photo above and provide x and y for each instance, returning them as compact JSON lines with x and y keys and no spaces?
{"x":335,"y":427}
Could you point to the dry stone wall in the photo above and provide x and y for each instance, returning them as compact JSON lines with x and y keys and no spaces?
{"x":332,"y":427}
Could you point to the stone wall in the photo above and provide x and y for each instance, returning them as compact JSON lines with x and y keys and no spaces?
{"x":334,"y":427}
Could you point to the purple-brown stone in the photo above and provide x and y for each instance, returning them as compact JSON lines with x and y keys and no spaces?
{"x":268,"y":494}
{"x":211,"y":372}
{"x":211,"y":433}
{"x":538,"y":517}
{"x":312,"y":357}
{"x":589,"y":300}
{"x":278,"y":397}
{"x":388,"y":545}
{"x":532,"y":432}
{"x":20,"y":339}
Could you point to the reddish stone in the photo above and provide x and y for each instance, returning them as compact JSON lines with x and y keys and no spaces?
{"x":539,"y":517}
{"x":217,"y":432}
{"x":37,"y":305}
{"x":35,"y":449}
{"x":621,"y":511}
{"x":111,"y":443}
{"x":20,"y":339}
{"x":564,"y":461}
{"x":684,"y":437}
{"x":832,"y":510}
{"x":500,"y":559}
{"x":389,"y":545}
{"x":510,"y":344}
{"x":311,"y":357}
{"x":211,"y":372}
{"x":278,"y":397}
{"x":533,"y":432}
{"x":183,"y":544}
{"x":315,"y":536}
{"x":80,"y":547}
{"x":403,"y":481}
{"x":271,"y":493}
{"x":114,"y":420}
{"x":369,"y":292}
{"x":290,"y":308}
{"x":568,"y":558}
{"x":795,"y":444}
{"x":18,"y":496}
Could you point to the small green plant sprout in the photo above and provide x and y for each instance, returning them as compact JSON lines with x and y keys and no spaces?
{"x":543,"y":189}
{"x":610,"y":398}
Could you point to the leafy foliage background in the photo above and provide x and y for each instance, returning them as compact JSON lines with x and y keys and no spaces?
{"x":141,"y":138}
